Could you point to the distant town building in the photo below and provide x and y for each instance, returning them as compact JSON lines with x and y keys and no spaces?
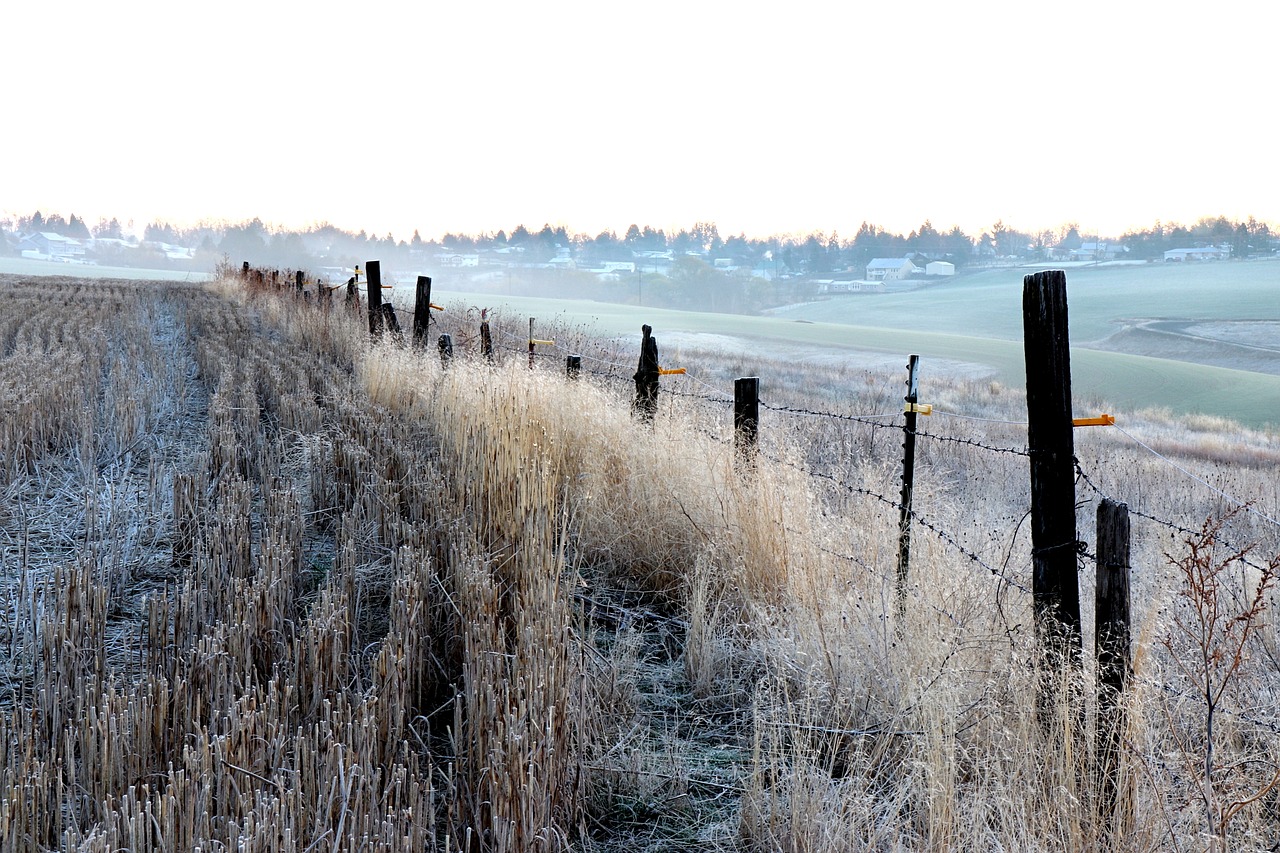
{"x":46,"y":245}
{"x":1199,"y":253}
{"x":939,"y":268}
{"x":1097,"y":251}
{"x":891,"y":269}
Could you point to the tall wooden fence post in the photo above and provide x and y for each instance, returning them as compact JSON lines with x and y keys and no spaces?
{"x":422,"y":311}
{"x":298,"y":277}
{"x":373,"y":278}
{"x":746,"y":417}
{"x":1055,"y":586}
{"x":531,"y":343}
{"x":1111,"y":631}
{"x":908,"y":480}
{"x":573,"y":366}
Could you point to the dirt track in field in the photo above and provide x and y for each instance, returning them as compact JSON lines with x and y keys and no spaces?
{"x":1236,"y":344}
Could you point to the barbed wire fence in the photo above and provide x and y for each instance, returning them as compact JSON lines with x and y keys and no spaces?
{"x":606,"y":365}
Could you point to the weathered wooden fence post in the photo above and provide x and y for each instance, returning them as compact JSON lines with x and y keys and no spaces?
{"x":244,"y":270}
{"x":373,"y":278}
{"x":445,"y":344}
{"x":1055,"y":586}
{"x":908,"y":480}
{"x":531,"y":343}
{"x":573,"y":366}
{"x":646,"y":377}
{"x":422,"y":311}
{"x":486,"y":339}
{"x":746,"y":417}
{"x":298,"y":282}
{"x":1111,"y":631}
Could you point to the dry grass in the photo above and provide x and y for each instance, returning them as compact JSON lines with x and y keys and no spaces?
{"x":269,"y":586}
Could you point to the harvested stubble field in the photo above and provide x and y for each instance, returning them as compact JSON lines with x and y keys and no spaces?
{"x":267,"y":586}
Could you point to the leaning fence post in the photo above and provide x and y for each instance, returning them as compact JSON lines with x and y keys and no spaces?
{"x":908,"y":480}
{"x":373,"y":279}
{"x":1111,"y":647}
{"x":573,"y":366}
{"x":422,"y":311}
{"x":746,"y":416}
{"x":1055,"y":587}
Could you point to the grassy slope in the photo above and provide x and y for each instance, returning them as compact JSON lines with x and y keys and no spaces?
{"x":28,"y":267}
{"x":978,"y":319}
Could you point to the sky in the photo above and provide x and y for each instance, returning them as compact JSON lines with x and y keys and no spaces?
{"x":765,"y":118}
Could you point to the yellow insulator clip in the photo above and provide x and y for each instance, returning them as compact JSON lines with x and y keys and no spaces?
{"x":543,"y":343}
{"x":435,"y":306}
{"x":918,"y":408}
{"x":1100,"y":420}
{"x":674,"y":371}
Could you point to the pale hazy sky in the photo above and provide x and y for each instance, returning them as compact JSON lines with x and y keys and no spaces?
{"x":765,"y":118}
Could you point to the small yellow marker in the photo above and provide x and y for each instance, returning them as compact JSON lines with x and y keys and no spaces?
{"x":674,"y":371}
{"x":544,"y":343}
{"x":435,"y":306}
{"x":918,"y":408}
{"x":1100,"y":420}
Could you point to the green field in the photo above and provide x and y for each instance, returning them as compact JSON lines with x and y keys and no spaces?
{"x":977,"y":319}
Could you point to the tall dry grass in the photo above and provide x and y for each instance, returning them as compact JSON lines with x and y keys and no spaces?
{"x":273,"y":587}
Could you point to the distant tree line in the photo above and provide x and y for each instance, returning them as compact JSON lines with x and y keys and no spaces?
{"x":657,"y":253}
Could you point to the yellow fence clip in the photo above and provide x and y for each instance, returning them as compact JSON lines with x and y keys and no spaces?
{"x":435,"y":306}
{"x":543,"y":343}
{"x":674,"y":371}
{"x":918,"y":408}
{"x":1100,"y":420}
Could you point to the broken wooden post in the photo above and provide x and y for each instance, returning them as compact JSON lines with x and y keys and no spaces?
{"x":647,"y":373}
{"x":573,"y":366}
{"x":486,"y":339}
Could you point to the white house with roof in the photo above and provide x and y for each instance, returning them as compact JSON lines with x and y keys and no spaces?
{"x":891,"y":269}
{"x":1097,"y":250}
{"x":1199,"y":253}
{"x":48,"y":245}
{"x":939,"y":268}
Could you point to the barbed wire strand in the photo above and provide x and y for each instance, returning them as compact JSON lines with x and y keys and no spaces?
{"x":912,"y":513}
{"x":938,"y":411}
{"x":1246,"y":506}
{"x":1164,"y":522}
